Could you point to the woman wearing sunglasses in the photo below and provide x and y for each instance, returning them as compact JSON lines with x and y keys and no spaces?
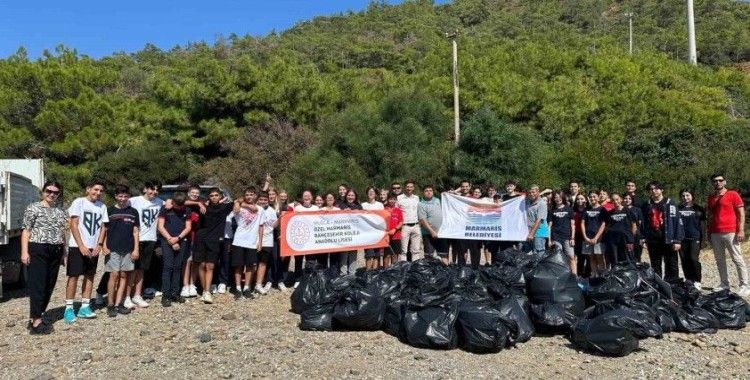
{"x":42,"y":247}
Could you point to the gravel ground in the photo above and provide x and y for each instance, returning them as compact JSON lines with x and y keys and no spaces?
{"x":260,"y":338}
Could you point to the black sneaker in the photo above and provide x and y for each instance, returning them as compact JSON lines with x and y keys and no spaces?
{"x":111,"y":311}
{"x":237,"y":295}
{"x":123,"y":310}
{"x":41,"y":329}
{"x":179,"y":299}
{"x":248,"y":293}
{"x":166,"y":302}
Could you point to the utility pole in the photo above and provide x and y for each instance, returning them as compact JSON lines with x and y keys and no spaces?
{"x":456,"y":118}
{"x":630,"y":29}
{"x":692,"y":54}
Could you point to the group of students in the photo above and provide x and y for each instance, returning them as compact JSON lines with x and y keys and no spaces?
{"x":202,"y":240}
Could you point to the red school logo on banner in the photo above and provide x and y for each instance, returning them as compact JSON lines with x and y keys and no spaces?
{"x":305,"y":233}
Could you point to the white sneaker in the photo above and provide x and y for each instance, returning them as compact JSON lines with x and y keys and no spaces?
{"x":207,"y":298}
{"x":138,"y":300}
{"x":697,"y":285}
{"x":260,"y":290}
{"x":185,"y":293}
{"x":193,"y":291}
{"x":720,"y":288}
{"x":158,"y":293}
{"x":128,"y":303}
{"x":221,"y":289}
{"x":296,"y":284}
{"x":213,"y":289}
{"x":283,"y":287}
{"x":744,"y":291}
{"x":267,"y":288}
{"x":100,"y":299}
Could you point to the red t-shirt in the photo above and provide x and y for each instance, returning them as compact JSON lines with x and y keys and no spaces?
{"x":723,"y":214}
{"x":397,"y":217}
{"x":608,"y":206}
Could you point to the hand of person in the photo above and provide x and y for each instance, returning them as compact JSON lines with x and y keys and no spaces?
{"x":202,"y":208}
{"x":268,"y":177}
{"x":25,"y":258}
{"x":168,"y":204}
{"x":135,"y":255}
{"x":643,"y":242}
{"x":176,"y":247}
{"x":530,"y":238}
{"x":572,"y":242}
{"x":95,"y":251}
{"x":434,"y":234}
{"x":391,"y":231}
{"x":85,"y":251}
{"x":105,"y":250}
{"x":173,"y":240}
{"x":676,"y":247}
{"x":588,"y":241}
{"x":629,"y":246}
{"x":64,"y":260}
{"x":549,"y":243}
{"x":740,"y":236}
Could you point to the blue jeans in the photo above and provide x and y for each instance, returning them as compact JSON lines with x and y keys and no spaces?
{"x":538,"y":246}
{"x":171,"y":271}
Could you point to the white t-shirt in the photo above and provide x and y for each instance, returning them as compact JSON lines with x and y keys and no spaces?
{"x":246,"y":234}
{"x":228,"y":231}
{"x":372,"y":206}
{"x":91,"y":217}
{"x":148,"y":211}
{"x":268,"y":227}
{"x":301,"y":208}
{"x":409,"y":206}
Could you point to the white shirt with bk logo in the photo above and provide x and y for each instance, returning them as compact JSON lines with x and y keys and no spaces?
{"x":91,"y":217}
{"x":149,"y":213}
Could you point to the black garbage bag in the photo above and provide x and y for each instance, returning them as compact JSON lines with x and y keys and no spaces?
{"x":500,"y":280}
{"x":431,"y":326}
{"x":727,"y":307}
{"x":638,"y":318}
{"x":693,"y":319}
{"x":317,"y":318}
{"x":393,"y":317}
{"x":313,"y":289}
{"x":386,"y":282}
{"x":684,"y":291}
{"x":653,"y":281}
{"x":359,"y":309}
{"x":515,"y":258}
{"x":466,"y":284}
{"x":428,"y":282}
{"x":618,"y":282}
{"x":604,"y":334}
{"x":514,"y":311}
{"x":556,"y":300}
{"x":481,"y":328}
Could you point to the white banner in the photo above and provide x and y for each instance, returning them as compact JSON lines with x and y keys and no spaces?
{"x":478,"y":219}
{"x":305,"y":233}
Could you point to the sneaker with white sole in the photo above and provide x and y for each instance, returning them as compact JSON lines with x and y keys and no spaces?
{"x":138,"y":300}
{"x":213,"y":289}
{"x":193,"y":291}
{"x":697,"y":285}
{"x":260,"y":290}
{"x":185,"y":292}
{"x":744,"y":291}
{"x":222,"y":288}
{"x":207,"y":298}
{"x":158,"y":293}
{"x":720,"y":288}
{"x":101,"y":299}
{"x":283,"y":287}
{"x":296,"y":284}
{"x":268,"y":286}
{"x":86,"y":312}
{"x":128,"y":303}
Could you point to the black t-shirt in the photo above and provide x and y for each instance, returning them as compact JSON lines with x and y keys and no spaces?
{"x":560,"y":219}
{"x":593,"y":218}
{"x":174,"y":219}
{"x":211,"y":224}
{"x":638,"y":215}
{"x":122,"y":222}
{"x":619,"y":223}
{"x":692,"y":217}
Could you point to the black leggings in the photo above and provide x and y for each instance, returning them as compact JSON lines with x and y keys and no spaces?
{"x":42,"y":275}
{"x":690,"y":251}
{"x":659,"y":253}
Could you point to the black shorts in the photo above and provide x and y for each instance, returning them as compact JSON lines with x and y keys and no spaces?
{"x":264,"y":255}
{"x":206,"y":251}
{"x":78,"y":265}
{"x":145,"y":254}
{"x":373,"y":253}
{"x":244,"y":257}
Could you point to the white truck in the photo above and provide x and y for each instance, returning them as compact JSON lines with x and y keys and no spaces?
{"x":20,"y":183}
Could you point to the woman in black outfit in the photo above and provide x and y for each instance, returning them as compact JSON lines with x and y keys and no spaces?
{"x":42,"y":243}
{"x":629,"y":202}
{"x":693,"y":218}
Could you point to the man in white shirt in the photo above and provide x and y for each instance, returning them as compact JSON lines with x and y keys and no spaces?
{"x":87,"y":233}
{"x":264,"y":254}
{"x":148,"y":206}
{"x":411,"y":233}
{"x":246,"y":242}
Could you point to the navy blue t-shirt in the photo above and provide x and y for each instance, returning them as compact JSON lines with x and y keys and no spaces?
{"x":619,"y":224}
{"x":560,"y":219}
{"x":692,"y":217}
{"x":174,"y":219}
{"x":122,"y":222}
{"x":593,"y":217}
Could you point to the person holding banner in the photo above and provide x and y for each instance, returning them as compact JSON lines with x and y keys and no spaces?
{"x":510,"y":193}
{"x":320,"y":259}
{"x":430,"y":215}
{"x":372,"y":255}
{"x":348,"y":259}
{"x":536,"y":219}
{"x":394,"y":230}
{"x":411,"y":234}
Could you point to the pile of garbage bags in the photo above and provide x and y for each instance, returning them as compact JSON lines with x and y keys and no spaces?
{"x":430,"y":305}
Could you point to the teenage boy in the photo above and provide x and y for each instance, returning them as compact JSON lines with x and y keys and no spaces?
{"x":430,"y":216}
{"x":592,"y":225}
{"x":536,"y":220}
{"x":174,"y":226}
{"x":208,"y":237}
{"x":87,"y":232}
{"x":664,"y":231}
{"x":726,"y":231}
{"x":266,"y":244}
{"x":120,"y":249}
{"x":411,"y":234}
{"x":148,"y":206}
{"x":247,"y":242}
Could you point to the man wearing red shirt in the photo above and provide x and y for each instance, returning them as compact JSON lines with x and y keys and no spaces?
{"x":726,"y":230}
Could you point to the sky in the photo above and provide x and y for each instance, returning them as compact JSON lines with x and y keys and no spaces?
{"x":100,"y":28}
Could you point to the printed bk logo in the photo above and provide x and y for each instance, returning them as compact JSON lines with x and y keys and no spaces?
{"x":148,"y":217}
{"x":92,"y":222}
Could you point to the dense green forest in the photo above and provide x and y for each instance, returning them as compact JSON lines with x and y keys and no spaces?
{"x":548,"y":93}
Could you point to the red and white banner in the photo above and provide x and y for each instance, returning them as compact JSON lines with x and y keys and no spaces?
{"x":304,"y":233}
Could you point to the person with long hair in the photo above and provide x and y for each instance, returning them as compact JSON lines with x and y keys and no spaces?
{"x":42,"y":249}
{"x":281,"y":206}
{"x":562,"y":227}
{"x":592,"y":225}
{"x":348,"y":259}
{"x":318,"y":202}
{"x":629,"y":201}
{"x":305,"y":205}
{"x":583,"y":265}
{"x":394,"y":231}
{"x":620,"y":229}
{"x":372,"y":255}
{"x":693,"y":219}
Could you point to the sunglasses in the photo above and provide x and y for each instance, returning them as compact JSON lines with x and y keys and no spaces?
{"x":52,"y":192}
